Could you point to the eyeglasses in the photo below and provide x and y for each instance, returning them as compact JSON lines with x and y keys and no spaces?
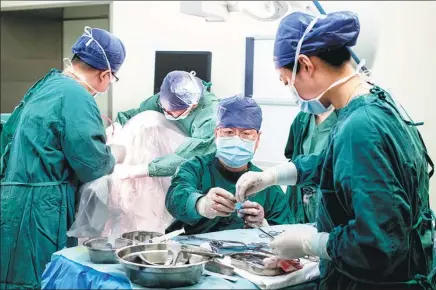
{"x":115,"y":79}
{"x":248,"y":134}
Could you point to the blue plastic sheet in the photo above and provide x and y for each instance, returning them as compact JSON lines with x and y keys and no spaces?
{"x":63,"y":273}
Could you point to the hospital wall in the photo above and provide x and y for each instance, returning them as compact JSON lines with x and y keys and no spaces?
{"x":29,"y":48}
{"x":404,"y":61}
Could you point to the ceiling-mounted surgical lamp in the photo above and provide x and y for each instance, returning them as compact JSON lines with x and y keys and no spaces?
{"x":220,"y":10}
{"x":260,"y":10}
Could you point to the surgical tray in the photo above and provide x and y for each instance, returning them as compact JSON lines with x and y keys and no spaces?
{"x":253,"y":263}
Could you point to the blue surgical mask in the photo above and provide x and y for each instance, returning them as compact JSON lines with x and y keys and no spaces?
{"x":234,"y":151}
{"x":314,"y":106}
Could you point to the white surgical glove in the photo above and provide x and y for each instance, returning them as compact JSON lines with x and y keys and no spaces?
{"x":300,"y":240}
{"x":124,"y":171}
{"x":253,"y":214}
{"x":217,"y":202}
{"x":119,"y":152}
{"x":253,"y":182}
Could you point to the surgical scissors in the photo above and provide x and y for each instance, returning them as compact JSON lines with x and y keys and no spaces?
{"x":271,"y":234}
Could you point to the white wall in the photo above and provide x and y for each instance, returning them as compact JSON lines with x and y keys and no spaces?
{"x":400,"y":49}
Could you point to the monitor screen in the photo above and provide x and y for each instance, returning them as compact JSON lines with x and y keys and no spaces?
{"x":167,"y":61}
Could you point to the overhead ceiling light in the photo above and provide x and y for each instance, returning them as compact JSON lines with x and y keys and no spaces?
{"x":212,"y":11}
{"x":264,"y":10}
{"x":219,"y":10}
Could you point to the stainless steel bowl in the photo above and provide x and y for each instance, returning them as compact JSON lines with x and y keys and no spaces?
{"x":102,"y":252}
{"x":160,"y":276}
{"x":140,"y":236}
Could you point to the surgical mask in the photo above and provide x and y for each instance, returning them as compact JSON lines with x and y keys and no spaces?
{"x":81,"y":77}
{"x":314,"y":106}
{"x":181,"y":117}
{"x":234,"y":151}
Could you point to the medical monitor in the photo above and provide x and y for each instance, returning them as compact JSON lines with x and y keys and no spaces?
{"x":167,"y":61}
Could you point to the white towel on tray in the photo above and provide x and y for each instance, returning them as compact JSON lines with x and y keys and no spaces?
{"x":309,"y":272}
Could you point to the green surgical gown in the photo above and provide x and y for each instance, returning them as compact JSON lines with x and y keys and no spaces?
{"x":196,"y":177}
{"x":53,"y":142}
{"x":306,"y":137}
{"x":373,"y":175}
{"x":199,"y":126}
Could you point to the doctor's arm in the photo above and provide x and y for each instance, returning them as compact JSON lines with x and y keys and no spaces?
{"x":83,"y":139}
{"x":201,"y":142}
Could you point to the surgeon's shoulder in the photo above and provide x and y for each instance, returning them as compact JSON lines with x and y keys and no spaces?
{"x":77,"y":99}
{"x":68,"y":85}
{"x":368,"y":122}
{"x":209,"y":100}
{"x":73,"y":92}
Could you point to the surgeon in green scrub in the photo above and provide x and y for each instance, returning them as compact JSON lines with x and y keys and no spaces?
{"x":374,"y":223}
{"x":308,"y":134}
{"x":184,"y":100}
{"x":53,"y":142}
{"x":201,"y":195}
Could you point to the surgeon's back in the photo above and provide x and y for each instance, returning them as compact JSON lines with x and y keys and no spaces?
{"x":53,"y":141}
{"x":375,"y":200}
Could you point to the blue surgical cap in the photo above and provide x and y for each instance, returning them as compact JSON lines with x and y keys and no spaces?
{"x":90,"y":52}
{"x":337,"y":29}
{"x":239,"y":112}
{"x":179,"y":90}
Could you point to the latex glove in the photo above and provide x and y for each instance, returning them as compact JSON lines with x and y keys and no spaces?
{"x":252,"y":182}
{"x":119,"y":152}
{"x":124,"y":171}
{"x":300,"y":240}
{"x":253,"y":214}
{"x":217,"y":202}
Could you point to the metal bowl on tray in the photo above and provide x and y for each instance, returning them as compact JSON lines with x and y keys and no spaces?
{"x":101,"y":251}
{"x":140,"y":236}
{"x":253,"y":263}
{"x":160,"y":276}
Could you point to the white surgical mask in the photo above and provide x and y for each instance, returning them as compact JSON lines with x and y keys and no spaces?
{"x":181,"y":117}
{"x":81,"y":77}
{"x":314,"y":106}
